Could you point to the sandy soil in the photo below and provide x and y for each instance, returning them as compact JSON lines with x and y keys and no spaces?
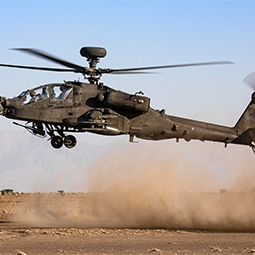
{"x":71,"y":224}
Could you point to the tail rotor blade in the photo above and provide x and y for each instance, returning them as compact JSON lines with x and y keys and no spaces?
{"x":250,"y":80}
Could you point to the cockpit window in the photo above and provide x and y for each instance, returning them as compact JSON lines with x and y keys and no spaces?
{"x":21,"y":94}
{"x":60,"y":92}
{"x":54,"y":92}
{"x":35,"y":95}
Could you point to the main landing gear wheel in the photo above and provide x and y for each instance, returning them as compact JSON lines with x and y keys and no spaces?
{"x":70,"y":141}
{"x":57,"y":142}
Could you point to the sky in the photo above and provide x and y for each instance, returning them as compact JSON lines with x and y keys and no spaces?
{"x":139,"y":33}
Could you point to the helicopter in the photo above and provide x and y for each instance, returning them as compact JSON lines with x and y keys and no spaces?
{"x":58,"y":109}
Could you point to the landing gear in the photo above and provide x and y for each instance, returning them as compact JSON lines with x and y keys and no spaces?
{"x":70,"y":141}
{"x":253,"y":147}
{"x":56,"y":133}
{"x":56,"y":142}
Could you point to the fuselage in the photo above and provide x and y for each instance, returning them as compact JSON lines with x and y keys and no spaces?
{"x":85,"y":107}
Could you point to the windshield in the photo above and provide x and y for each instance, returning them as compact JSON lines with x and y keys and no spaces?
{"x":22,"y":94}
{"x":60,"y":92}
{"x":35,"y":95}
{"x":57,"y":92}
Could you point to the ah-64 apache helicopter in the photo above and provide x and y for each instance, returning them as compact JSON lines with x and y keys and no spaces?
{"x":73,"y":106}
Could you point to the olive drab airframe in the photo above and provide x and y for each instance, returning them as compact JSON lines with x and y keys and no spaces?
{"x":59,"y":109}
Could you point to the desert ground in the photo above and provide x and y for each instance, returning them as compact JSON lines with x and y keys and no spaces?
{"x":90,"y":223}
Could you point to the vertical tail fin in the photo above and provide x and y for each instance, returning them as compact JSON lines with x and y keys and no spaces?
{"x":245,"y":126}
{"x":247,"y":120}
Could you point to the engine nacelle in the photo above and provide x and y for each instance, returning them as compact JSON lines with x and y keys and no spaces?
{"x":124,"y":101}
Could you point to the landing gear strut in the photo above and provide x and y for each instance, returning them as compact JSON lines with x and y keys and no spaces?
{"x":253,"y":147}
{"x":57,"y":141}
{"x":56,"y":133}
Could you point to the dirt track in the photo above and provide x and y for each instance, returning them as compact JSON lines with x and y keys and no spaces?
{"x":58,"y":236}
{"x":121,"y":241}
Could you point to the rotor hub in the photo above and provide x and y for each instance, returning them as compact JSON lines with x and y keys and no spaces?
{"x":93,"y":54}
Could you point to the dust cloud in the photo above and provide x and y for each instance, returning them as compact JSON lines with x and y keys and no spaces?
{"x":148,"y":187}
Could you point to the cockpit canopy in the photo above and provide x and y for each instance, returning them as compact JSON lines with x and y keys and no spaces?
{"x":54,"y":92}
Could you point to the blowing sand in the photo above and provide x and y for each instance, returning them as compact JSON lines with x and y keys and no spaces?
{"x":80,"y":223}
{"x":139,"y":202}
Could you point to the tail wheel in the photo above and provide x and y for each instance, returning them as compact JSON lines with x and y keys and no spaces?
{"x":70,"y":141}
{"x":56,"y":142}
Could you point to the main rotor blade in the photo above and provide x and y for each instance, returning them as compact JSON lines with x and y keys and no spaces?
{"x":171,"y":66}
{"x":250,"y":80}
{"x":127,"y":72}
{"x":39,"y":68}
{"x":47,"y":56}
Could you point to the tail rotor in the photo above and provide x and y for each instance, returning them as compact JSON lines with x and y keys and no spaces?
{"x":250,"y":80}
